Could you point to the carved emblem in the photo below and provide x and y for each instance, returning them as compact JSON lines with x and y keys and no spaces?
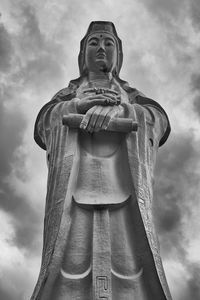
{"x":102,"y":288}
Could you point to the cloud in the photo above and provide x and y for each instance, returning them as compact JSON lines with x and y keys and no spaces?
{"x":13,"y":125}
{"x":30,"y":59}
{"x":177,"y":180}
{"x":41,"y":56}
{"x":12,"y":128}
{"x":177,"y":187}
{"x":17,"y":268}
{"x":195,"y":13}
{"x":166,"y":10}
{"x":195,"y":89}
{"x":24,"y":219}
{"x":5,"y":49}
{"x":18,"y":78}
{"x":6,"y":294}
{"x":173,"y":11}
{"x":194,"y":282}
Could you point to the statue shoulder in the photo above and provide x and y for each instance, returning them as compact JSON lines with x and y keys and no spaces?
{"x":64,"y":94}
{"x":68,"y":92}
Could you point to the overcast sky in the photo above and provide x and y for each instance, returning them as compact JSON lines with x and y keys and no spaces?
{"x":39,"y":45}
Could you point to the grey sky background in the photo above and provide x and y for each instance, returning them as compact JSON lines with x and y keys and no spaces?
{"x":39,"y":45}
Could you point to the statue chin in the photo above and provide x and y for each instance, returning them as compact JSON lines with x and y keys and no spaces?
{"x":102,"y":66}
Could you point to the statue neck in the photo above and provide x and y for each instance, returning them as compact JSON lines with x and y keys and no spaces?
{"x":93,"y":76}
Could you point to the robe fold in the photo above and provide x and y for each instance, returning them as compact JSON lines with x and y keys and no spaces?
{"x":61,"y":143}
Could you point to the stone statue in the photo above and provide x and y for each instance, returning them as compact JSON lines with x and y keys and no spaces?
{"x":101,"y":138}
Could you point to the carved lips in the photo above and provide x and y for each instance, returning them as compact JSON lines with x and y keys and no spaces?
{"x":101,"y":55}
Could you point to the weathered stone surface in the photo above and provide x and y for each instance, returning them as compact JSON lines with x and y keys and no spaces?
{"x":101,"y":138}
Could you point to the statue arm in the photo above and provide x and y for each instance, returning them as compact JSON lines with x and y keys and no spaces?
{"x":157,"y":116}
{"x":52,"y":113}
{"x":156,"y":119}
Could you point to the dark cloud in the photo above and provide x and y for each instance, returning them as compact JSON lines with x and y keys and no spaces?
{"x":38,"y":59}
{"x":6,"y":49}
{"x":12,"y":126}
{"x":35,"y":62}
{"x":166,"y":11}
{"x":30,"y":35}
{"x":195,"y":89}
{"x":10,"y":293}
{"x":171,"y":15}
{"x":177,"y":181}
{"x":195,"y":13}
{"x":39,"y":73}
{"x":196,"y":103}
{"x":194,"y":282}
{"x":25,"y":220}
{"x":34,"y":65}
{"x":13,"y":285}
{"x":195,"y":81}
{"x":171,"y":11}
{"x":5,"y":294}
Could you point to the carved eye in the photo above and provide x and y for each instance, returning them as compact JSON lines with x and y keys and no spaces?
{"x":109,"y":43}
{"x":93,"y":43}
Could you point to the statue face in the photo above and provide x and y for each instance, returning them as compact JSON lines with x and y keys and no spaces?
{"x":101,"y":52}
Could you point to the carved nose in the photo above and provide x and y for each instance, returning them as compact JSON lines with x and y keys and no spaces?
{"x":101,"y":52}
{"x":101,"y":47}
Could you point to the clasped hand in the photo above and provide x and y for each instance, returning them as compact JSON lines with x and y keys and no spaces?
{"x":99,"y":109}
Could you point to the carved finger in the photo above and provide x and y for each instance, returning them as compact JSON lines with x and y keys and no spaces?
{"x":100,"y":91}
{"x":107,"y":119}
{"x":95,"y":115}
{"x":101,"y":118}
{"x":111,"y":114}
{"x":115,"y":99}
{"x":88,"y":102}
{"x":89,"y":90}
{"x":97,"y":100}
{"x":86,"y":118}
{"x":111,"y":91}
{"x":94,"y":97}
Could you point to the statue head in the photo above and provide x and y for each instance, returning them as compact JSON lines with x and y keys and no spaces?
{"x":101,"y":48}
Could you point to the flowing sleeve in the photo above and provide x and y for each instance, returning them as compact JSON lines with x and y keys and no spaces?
{"x":156,"y":117}
{"x":50,"y":116}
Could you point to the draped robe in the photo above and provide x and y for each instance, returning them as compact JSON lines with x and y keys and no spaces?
{"x":61,"y":144}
